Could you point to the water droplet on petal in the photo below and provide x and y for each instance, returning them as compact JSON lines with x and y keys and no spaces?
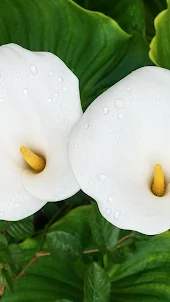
{"x":17,"y":205}
{"x":120,"y":116}
{"x":110,"y":130}
{"x":119,"y":103}
{"x":157,"y":103}
{"x":56,"y":95}
{"x":86,"y":126}
{"x":129,"y":89}
{"x":25,"y":91}
{"x":33,"y":69}
{"x":64,"y":88}
{"x":106,"y":110}
{"x":101,"y":177}
{"x":6,"y":90}
{"x":60,"y":79}
{"x":167,"y":101}
{"x":18,"y":74}
{"x":50,"y":100}
{"x":108,"y":211}
{"x":1,"y":214}
{"x":51,"y":73}
{"x":76,"y":92}
{"x":117,"y":215}
{"x":1,"y":99}
{"x":81,"y":173}
{"x":110,"y":199}
{"x":75,"y":145}
{"x":86,"y":166}
{"x":91,"y":182}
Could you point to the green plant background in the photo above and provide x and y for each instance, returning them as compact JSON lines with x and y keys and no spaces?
{"x":67,"y":252}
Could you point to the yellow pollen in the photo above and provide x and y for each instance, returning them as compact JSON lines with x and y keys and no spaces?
{"x":158,"y":186}
{"x":36,"y":162}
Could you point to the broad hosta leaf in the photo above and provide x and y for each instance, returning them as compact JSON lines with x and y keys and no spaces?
{"x":49,"y":280}
{"x":104,"y":233}
{"x":76,"y":223}
{"x":21,"y":229}
{"x":159,"y":47}
{"x":145,"y":276}
{"x":97,"y":285}
{"x":63,"y":245}
{"x":95,"y":48}
{"x":130,"y":19}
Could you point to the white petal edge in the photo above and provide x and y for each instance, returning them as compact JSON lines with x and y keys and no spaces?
{"x":115,"y":145}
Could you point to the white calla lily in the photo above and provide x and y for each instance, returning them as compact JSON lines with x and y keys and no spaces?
{"x":120,"y":151}
{"x":39,"y":105}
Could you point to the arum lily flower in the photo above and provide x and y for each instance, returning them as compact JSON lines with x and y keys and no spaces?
{"x":39,"y":104}
{"x":120,"y":151}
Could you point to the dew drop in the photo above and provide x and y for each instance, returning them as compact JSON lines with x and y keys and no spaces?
{"x":130,"y":97}
{"x":118,"y":137}
{"x":81,"y":173}
{"x":60,"y":79}
{"x":117,"y":215}
{"x":17,"y":205}
{"x":110,"y":199}
{"x":50,"y":100}
{"x":86,"y":126}
{"x":1,"y":214}
{"x":119,"y":103}
{"x":56,"y":95}
{"x":33,"y":69}
{"x":75,"y":145}
{"x":166,"y":125}
{"x":86,"y":166}
{"x":64,"y":88}
{"x":157,"y":103}
{"x":76,"y":92}
{"x":1,"y":99}
{"x":129,"y":89}
{"x":18,"y":74}
{"x":106,"y":110}
{"x":6,"y":90}
{"x":110,"y":130}
{"x":91,"y":182}
{"x":51,"y":73}
{"x":101,"y":177}
{"x":108,"y":211}
{"x":120,"y":116}
{"x":25,"y":91}
{"x":167,"y":101}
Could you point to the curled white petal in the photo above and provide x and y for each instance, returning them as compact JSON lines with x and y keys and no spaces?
{"x":39,"y":105}
{"x":114,"y":147}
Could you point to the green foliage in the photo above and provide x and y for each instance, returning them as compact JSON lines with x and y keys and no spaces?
{"x":68,"y":252}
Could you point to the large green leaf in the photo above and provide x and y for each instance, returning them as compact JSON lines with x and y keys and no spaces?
{"x":63,"y":245}
{"x":76,"y":223}
{"x":104,"y":233}
{"x":130,"y":19}
{"x":159,"y":47}
{"x":97,"y":285}
{"x":145,"y":276}
{"x":47,"y":280}
{"x":95,"y":48}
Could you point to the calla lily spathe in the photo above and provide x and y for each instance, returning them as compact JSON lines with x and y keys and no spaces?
{"x":39,"y":105}
{"x":116,"y":144}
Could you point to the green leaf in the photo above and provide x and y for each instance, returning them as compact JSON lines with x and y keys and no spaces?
{"x":104,"y":233}
{"x":145,"y":275}
{"x":64,"y":245}
{"x":152,"y":9}
{"x":76,"y":223}
{"x":97,"y":285}
{"x":92,"y":45}
{"x":130,"y":19}
{"x":47,"y":279}
{"x":159,"y":47}
{"x":21,"y":229}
